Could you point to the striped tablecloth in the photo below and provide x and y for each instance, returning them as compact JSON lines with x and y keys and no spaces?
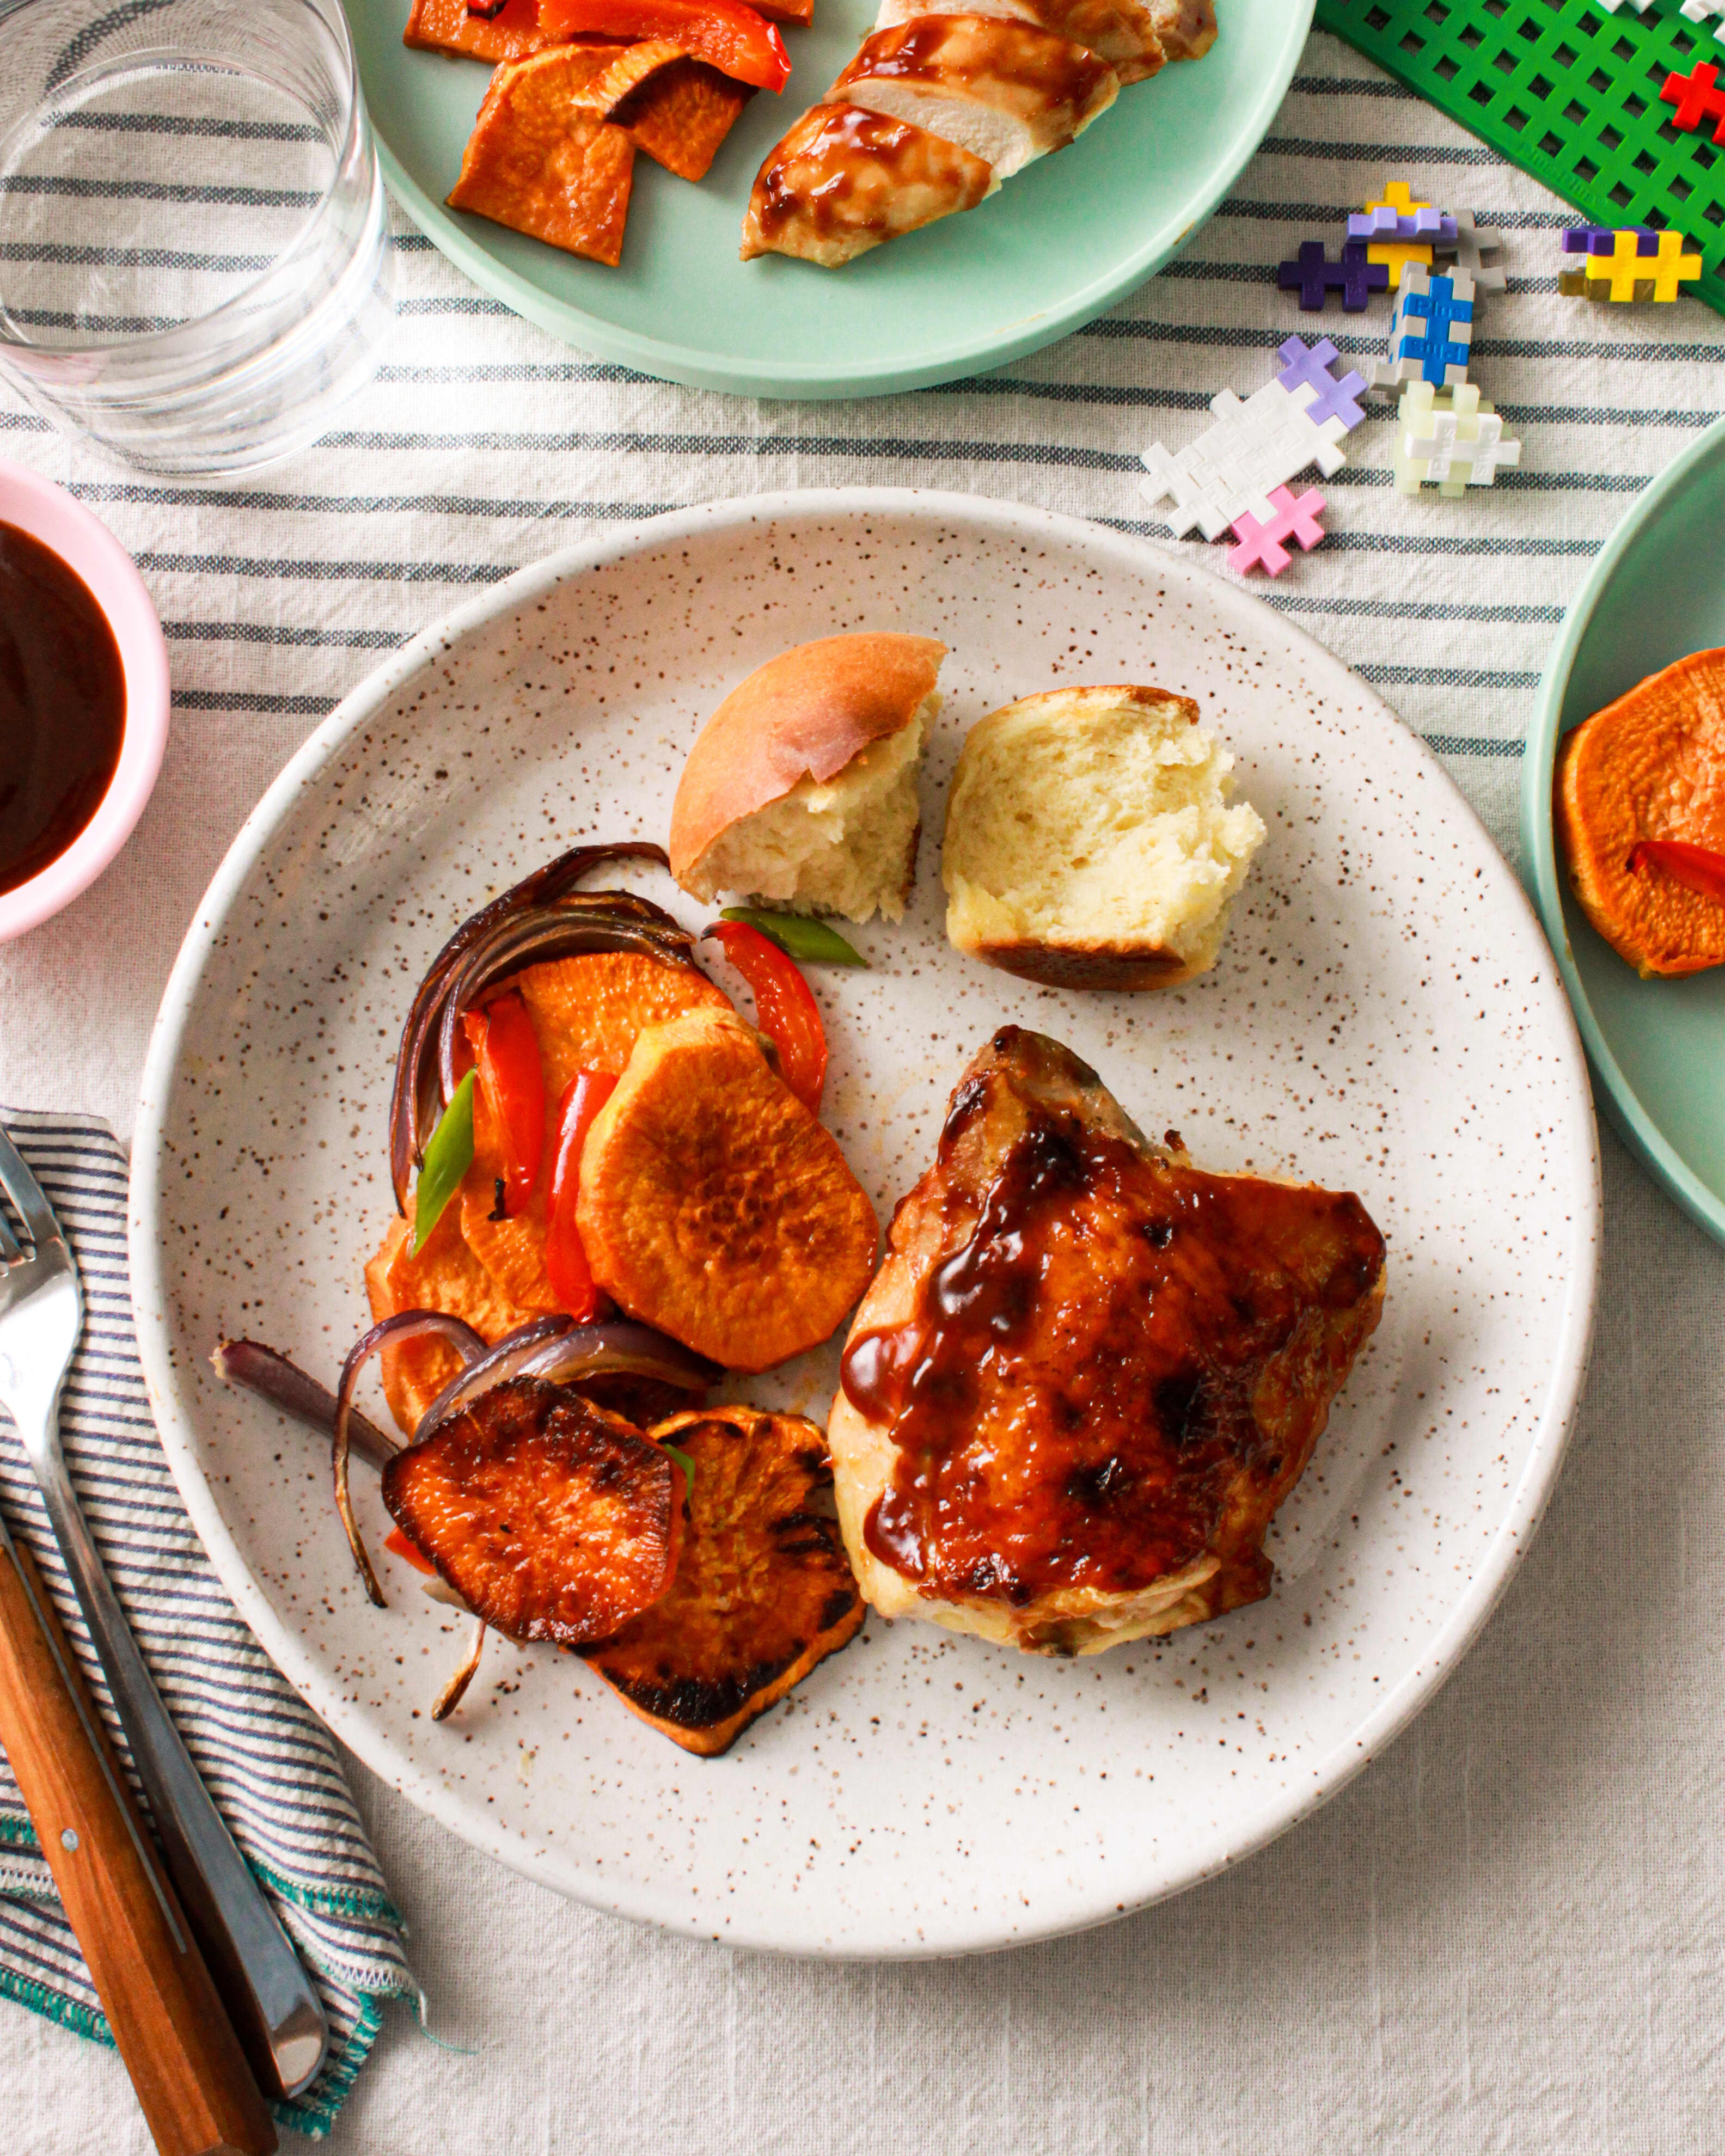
{"x":1499,"y":1939}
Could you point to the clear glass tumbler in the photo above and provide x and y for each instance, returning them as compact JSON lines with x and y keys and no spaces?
{"x":194,"y":263}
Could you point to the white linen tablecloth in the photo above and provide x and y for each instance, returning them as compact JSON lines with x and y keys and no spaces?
{"x":1505,"y":1934}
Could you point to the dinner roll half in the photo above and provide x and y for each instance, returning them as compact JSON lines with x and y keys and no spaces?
{"x":801,"y":789}
{"x":1089,"y":841}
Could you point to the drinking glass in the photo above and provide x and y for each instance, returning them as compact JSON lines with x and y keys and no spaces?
{"x":194,"y":264}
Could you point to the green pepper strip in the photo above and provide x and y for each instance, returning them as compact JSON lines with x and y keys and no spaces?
{"x":683,"y":1461}
{"x":449,"y":1155}
{"x":810,"y":941}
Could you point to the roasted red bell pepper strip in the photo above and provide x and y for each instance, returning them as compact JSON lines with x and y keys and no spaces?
{"x":506,"y":1049}
{"x":784,"y":1006}
{"x":397,"y":1541}
{"x":1696,"y":868}
{"x":731,"y":36}
{"x":565,"y":1265}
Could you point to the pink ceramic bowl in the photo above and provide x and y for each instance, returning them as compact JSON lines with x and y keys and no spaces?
{"x":49,"y":514}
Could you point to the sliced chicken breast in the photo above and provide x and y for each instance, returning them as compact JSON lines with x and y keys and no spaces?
{"x":1006,"y":91}
{"x":1122,"y":32}
{"x":845,"y":179}
{"x":1186,"y":28}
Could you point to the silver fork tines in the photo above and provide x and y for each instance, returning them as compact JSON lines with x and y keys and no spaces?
{"x":276,"y":2013}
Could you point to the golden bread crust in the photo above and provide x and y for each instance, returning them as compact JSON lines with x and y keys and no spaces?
{"x":804,"y":713}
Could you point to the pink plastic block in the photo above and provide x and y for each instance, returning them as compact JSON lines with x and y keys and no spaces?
{"x":1261,"y":545}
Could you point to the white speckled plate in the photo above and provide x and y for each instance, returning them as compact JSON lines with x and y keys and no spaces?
{"x":1386,"y":1017}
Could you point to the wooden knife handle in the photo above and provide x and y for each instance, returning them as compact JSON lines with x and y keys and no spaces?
{"x":195,"y":2090}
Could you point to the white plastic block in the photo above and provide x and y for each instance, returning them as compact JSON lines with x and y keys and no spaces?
{"x":1253,"y":446}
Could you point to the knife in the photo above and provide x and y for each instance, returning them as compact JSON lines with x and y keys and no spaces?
{"x":193,"y":2085}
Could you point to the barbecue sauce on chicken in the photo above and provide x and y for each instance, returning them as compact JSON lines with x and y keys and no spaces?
{"x":1122,"y":1364}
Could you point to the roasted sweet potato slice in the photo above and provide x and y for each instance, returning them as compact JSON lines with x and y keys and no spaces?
{"x":551,"y":1519}
{"x":588,"y":1013}
{"x":681,"y":113}
{"x":539,"y":163}
{"x":444,"y":26}
{"x":445,"y":1275}
{"x":714,"y":1206}
{"x":763,"y":1589}
{"x":1650,"y":766}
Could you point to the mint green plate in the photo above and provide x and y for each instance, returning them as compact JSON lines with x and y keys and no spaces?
{"x":1657,"y":1048}
{"x":1053,"y":249}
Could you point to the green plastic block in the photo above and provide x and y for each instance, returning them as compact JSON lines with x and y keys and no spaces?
{"x":1570,"y":93}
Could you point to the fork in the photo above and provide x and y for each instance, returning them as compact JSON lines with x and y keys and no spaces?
{"x":276,"y":2013}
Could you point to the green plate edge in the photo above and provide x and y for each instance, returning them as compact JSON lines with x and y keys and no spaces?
{"x":1628,"y":1117}
{"x":689,"y":365}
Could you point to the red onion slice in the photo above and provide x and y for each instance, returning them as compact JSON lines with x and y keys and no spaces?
{"x":571,"y":928}
{"x":407,"y":1109}
{"x":492,"y":1366}
{"x":250,"y":1367}
{"x":405,"y":1325}
{"x":563,"y":1353}
{"x":449,"y":1698}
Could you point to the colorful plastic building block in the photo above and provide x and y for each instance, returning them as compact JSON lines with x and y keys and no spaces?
{"x":1697,"y":98}
{"x":1431,"y":332}
{"x":1602,"y":238}
{"x":1437,"y":228}
{"x":1451,"y":440}
{"x":1480,"y":252}
{"x":1706,"y":11}
{"x":1316,"y":276}
{"x":1634,"y":263}
{"x":1232,"y":467}
{"x":1261,"y":544}
{"x":1332,"y":396}
{"x":1395,"y":254}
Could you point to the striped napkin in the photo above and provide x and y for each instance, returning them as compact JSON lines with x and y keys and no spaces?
{"x":268,"y":1762}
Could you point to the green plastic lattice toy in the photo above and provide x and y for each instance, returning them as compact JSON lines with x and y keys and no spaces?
{"x":1571,"y":94}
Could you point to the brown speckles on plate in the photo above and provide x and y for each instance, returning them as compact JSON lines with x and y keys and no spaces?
{"x":1347,"y":1035}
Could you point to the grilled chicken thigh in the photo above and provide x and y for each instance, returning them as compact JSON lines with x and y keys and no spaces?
{"x":1088,"y":1373}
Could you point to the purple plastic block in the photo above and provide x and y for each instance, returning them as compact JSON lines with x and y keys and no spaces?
{"x":1602,"y":238}
{"x":1335,"y":399}
{"x":1314,"y":276}
{"x":1386,"y":222}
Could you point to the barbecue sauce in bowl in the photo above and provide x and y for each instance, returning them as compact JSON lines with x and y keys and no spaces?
{"x":61,"y":707}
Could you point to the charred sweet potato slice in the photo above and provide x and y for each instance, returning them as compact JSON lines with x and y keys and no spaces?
{"x":588,"y":1013}
{"x":714,"y":1206}
{"x":1650,"y":766}
{"x":539,"y":163}
{"x":551,"y":1519}
{"x":680,"y":114}
{"x":445,"y":1275}
{"x":763,"y":1589}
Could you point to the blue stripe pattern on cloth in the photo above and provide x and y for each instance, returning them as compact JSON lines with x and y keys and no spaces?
{"x":266,"y":1759}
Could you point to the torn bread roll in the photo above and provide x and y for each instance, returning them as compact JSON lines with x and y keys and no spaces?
{"x":1089,"y":841}
{"x":801,"y":789}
